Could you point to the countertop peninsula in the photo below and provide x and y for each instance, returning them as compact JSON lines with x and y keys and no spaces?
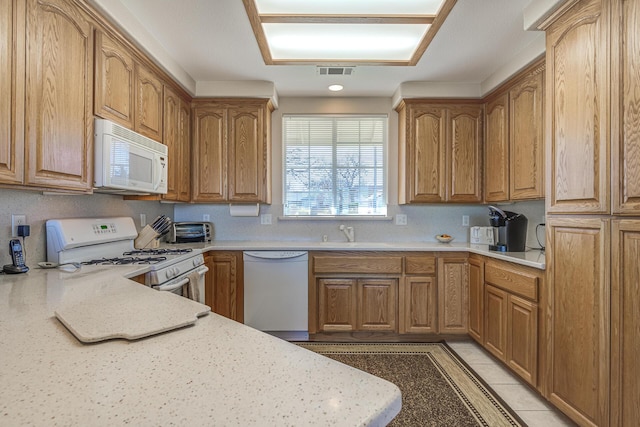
{"x":216,"y":372}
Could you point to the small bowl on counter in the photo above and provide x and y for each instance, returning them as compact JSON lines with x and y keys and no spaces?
{"x":444,"y":238}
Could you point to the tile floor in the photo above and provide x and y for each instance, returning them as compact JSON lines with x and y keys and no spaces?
{"x":533,"y":409}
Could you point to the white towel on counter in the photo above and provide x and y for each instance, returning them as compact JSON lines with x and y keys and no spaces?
{"x":190,"y":289}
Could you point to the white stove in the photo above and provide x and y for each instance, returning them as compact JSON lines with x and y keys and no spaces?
{"x":109,"y":241}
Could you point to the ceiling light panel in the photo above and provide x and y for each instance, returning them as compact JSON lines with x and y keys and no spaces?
{"x":349,"y":7}
{"x":387,"y":42}
{"x":341,"y":32}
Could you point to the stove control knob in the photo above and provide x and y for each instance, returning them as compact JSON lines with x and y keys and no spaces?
{"x":176,"y":271}
{"x":167,"y":274}
{"x":195,"y":262}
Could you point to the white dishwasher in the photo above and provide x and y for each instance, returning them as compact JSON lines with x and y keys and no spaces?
{"x":276,"y":292}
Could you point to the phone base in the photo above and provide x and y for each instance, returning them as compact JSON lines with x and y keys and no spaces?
{"x":14,"y":269}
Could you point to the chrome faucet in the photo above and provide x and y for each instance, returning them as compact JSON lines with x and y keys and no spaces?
{"x":349,"y":232}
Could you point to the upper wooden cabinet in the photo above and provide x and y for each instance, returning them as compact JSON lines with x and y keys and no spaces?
{"x":440,"y":152}
{"x":148,"y":103}
{"x":232,"y":150}
{"x":496,"y":147}
{"x":625,"y":107}
{"x":12,"y":89}
{"x":177,"y":139}
{"x":577,"y":109}
{"x":514,"y":144}
{"x":114,"y":81}
{"x":59,"y":96}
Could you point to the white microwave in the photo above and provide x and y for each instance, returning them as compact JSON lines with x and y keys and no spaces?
{"x":127,"y":162}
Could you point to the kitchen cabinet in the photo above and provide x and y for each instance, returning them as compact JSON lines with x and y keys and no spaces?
{"x":232,"y":151}
{"x":59,"y":96}
{"x":354,"y":292}
{"x":625,"y":94}
{"x":476,"y":298}
{"x":336,"y":305}
{"x":177,"y":139}
{"x":377,"y":303}
{"x":418,"y":296}
{"x":453,"y":300}
{"x":577,"y":110}
{"x":114,"y":81}
{"x":440,"y":152}
{"x":12,"y":51}
{"x":224,"y":284}
{"x":625,"y":322}
{"x":526,"y":136}
{"x":496,"y":186}
{"x":514,"y":138}
{"x":148,"y":119}
{"x":495,"y":303}
{"x":579,"y":318}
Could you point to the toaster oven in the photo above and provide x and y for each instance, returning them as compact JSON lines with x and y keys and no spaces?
{"x":190,"y":232}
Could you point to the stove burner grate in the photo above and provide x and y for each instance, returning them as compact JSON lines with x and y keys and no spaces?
{"x":126,"y":260}
{"x":163,"y":251}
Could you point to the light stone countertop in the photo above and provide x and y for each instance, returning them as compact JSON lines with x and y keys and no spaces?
{"x":532,"y":258}
{"x":216,"y":372}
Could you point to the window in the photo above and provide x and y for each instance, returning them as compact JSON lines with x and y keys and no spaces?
{"x":334,"y":165}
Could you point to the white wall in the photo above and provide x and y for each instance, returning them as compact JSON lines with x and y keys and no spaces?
{"x":424,"y":221}
{"x":38,"y":208}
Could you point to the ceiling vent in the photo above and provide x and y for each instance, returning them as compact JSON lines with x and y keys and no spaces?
{"x":336,"y":71}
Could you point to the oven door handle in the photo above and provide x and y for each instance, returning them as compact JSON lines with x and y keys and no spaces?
{"x":172,"y":287}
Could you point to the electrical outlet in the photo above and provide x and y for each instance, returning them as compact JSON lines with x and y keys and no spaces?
{"x":206,"y":217}
{"x":265,"y":219}
{"x":143,"y":220}
{"x":401,"y":219}
{"x":465,"y":220}
{"x":17,"y":220}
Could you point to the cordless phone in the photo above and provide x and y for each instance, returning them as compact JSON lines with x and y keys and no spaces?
{"x":17,"y":257}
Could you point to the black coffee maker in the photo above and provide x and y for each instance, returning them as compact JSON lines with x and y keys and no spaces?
{"x":512,"y":230}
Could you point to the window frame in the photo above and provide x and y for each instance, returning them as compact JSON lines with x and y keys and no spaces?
{"x":385,"y":166}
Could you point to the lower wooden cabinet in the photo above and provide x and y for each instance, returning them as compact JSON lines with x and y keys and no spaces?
{"x":337,"y":305}
{"x":418,"y":309}
{"x":453,"y":301}
{"x":504,"y":314}
{"x":377,"y":304}
{"x":224,"y":284}
{"x":476,"y":298}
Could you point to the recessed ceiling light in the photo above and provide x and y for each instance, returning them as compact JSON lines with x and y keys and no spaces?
{"x":336,"y":88}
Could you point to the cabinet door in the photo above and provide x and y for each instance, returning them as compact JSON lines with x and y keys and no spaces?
{"x":172,"y":141}
{"x":426,"y":144}
{"x":526,"y":138}
{"x":59,"y":96}
{"x":625,"y":107}
{"x":522,"y":338}
{"x":209,"y":155}
{"x":495,"y":327}
{"x":453,"y":304}
{"x":418,"y":305}
{"x":496,"y":171}
{"x":377,"y":302}
{"x":464,"y":173}
{"x":579,"y":301}
{"x":337,"y":305}
{"x":476,"y":299}
{"x":224,"y":284}
{"x":12,"y":90}
{"x":625,"y":323}
{"x":184,"y":141}
{"x":577,"y":113}
{"x":247,"y":153}
{"x":149,"y":102}
{"x":114,"y":77}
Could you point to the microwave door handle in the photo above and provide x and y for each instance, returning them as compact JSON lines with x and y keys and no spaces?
{"x":159,"y":172}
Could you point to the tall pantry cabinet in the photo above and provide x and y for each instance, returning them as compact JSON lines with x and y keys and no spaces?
{"x":593,"y":183}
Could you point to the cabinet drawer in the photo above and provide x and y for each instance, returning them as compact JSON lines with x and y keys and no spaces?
{"x":357,"y":264}
{"x":420,"y":264}
{"x":512,"y":279}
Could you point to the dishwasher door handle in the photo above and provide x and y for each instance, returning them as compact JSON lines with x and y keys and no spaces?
{"x":274,"y":255}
